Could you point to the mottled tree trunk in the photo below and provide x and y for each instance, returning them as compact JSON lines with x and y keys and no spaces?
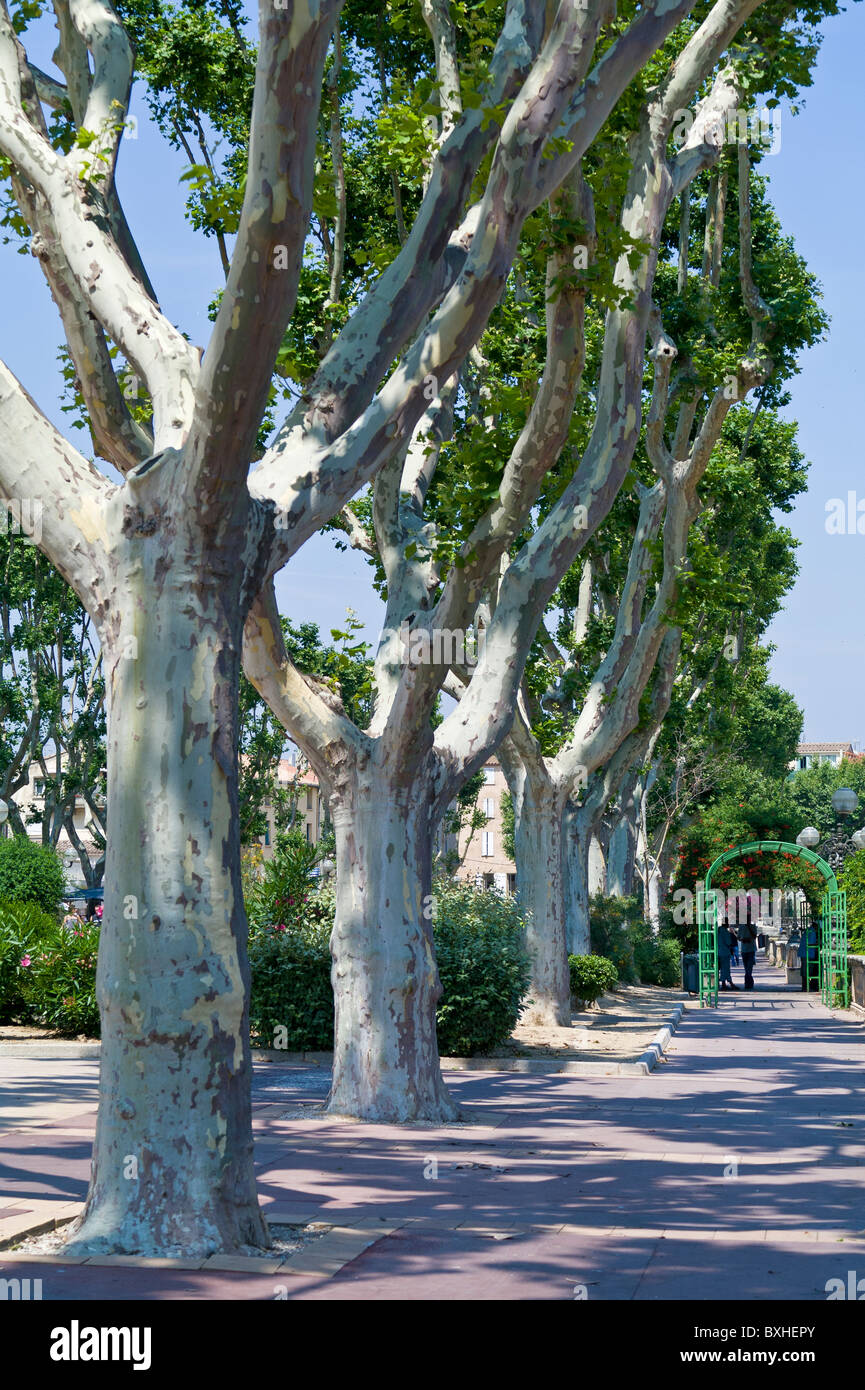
{"x":385,"y":979}
{"x":620,"y":868}
{"x":538,"y":844}
{"x":597,"y":866}
{"x":621,"y":860}
{"x":576,"y":884}
{"x":654,"y":898}
{"x":172,"y":1163}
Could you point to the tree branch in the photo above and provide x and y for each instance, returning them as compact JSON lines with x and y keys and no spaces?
{"x":43,"y":476}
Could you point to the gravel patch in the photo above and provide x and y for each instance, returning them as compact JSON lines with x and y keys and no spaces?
{"x":287,"y":1240}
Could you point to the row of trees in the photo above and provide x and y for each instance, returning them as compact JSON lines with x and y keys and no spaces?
{"x":462,"y":243}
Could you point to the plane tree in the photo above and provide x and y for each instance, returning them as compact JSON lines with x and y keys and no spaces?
{"x":170,"y":560}
{"x":390,"y":782}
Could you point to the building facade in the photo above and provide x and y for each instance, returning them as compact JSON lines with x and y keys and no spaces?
{"x":484,"y":858}
{"x":294,"y":777}
{"x":31,"y":801}
{"x":812,"y":754}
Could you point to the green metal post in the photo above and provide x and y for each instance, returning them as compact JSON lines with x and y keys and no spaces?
{"x":707,"y":940}
{"x":834,"y":967}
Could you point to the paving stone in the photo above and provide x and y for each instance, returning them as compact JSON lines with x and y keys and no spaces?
{"x":614,"y":1183}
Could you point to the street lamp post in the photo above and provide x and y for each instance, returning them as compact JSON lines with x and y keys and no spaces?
{"x":839,"y":845}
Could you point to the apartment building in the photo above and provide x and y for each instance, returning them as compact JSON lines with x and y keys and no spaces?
{"x":310,"y":812}
{"x":485,"y":861}
{"x":30,"y":800}
{"x":811,"y":754}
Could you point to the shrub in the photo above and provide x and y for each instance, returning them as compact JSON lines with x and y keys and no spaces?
{"x":483,"y":965}
{"x":285,"y":884}
{"x":59,"y":983}
{"x":30,"y":873}
{"x":291,"y":988}
{"x":684,"y":934}
{"x":610,"y":928}
{"x":620,"y":932}
{"x":22,"y":925}
{"x":591,"y":976}
{"x":657,"y":958}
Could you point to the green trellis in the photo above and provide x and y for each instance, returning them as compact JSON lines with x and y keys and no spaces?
{"x":834,"y":967}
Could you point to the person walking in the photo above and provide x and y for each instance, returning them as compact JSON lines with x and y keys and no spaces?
{"x":726,"y":941}
{"x":747,"y":934}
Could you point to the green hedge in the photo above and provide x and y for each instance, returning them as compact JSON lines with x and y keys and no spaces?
{"x":291,"y":989}
{"x":611,"y":923}
{"x":482,"y":963}
{"x":48,"y":974}
{"x":30,"y":873}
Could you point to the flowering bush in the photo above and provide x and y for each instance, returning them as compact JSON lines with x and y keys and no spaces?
{"x":22,"y":926}
{"x":284,"y":886}
{"x":59,"y":982}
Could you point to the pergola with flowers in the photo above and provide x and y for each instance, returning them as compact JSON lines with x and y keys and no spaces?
{"x":834,"y":974}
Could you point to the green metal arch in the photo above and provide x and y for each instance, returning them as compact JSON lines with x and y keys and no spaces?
{"x":775,"y":847}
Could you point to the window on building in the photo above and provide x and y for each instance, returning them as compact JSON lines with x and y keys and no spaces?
{"x":487,"y":844}
{"x":267,"y":836}
{"x":489,"y":881}
{"x":39,"y":787}
{"x":512,"y":884}
{"x":489,"y":807}
{"x":309,"y":798}
{"x":308,"y":832}
{"x":489,"y":776}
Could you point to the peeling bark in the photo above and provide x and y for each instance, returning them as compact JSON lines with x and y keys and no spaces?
{"x":172,"y":1166}
{"x":385,"y":980}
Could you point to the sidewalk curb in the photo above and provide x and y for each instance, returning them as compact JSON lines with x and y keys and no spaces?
{"x":661,"y":1041}
{"x":645,"y":1063}
{"x":52,"y":1050}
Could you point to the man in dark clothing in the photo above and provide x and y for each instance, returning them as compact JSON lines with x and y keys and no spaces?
{"x":726,"y":938}
{"x":747,"y":934}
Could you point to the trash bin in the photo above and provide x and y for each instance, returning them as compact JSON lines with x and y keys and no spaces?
{"x":691,"y":972}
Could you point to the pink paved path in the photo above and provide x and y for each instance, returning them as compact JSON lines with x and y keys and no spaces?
{"x":737,"y":1165}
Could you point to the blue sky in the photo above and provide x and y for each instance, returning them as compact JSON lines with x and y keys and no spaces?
{"x":816,"y":185}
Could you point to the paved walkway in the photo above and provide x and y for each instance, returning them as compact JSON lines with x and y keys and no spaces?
{"x":735,"y":1170}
